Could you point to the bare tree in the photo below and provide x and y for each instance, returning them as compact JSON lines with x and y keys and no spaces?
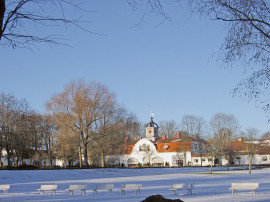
{"x":168,"y":128}
{"x":149,"y":155}
{"x":213,"y":153}
{"x":195,"y":128}
{"x":193,"y":125}
{"x":266,"y":135}
{"x":251,"y":145}
{"x":67,"y":146}
{"x":79,"y":108}
{"x":22,"y":140}
{"x":109,"y":131}
{"x":224,"y":128}
{"x":49,"y":139}
{"x":22,"y":20}
{"x":132,"y":127}
{"x":11,"y":111}
{"x":247,"y":40}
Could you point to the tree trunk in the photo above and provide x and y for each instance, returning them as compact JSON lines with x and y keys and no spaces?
{"x":30,"y":161}
{"x":228,"y":166}
{"x":250,"y":163}
{"x":50,"y":153}
{"x":2,"y":12}
{"x":1,"y":157}
{"x":19,"y":159}
{"x":8,"y":156}
{"x":1,"y":149}
{"x":80,"y":156}
{"x":102,"y":159}
{"x":85,"y":155}
{"x":211,"y":167}
{"x":185,"y":158}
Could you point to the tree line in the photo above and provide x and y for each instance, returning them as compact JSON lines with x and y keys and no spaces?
{"x":82,"y":121}
{"x":85,"y":122}
{"x":24,"y":132}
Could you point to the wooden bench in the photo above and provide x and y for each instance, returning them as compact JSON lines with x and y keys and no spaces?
{"x":176,"y":187}
{"x":5,"y":188}
{"x":136,"y":187}
{"x":244,"y":186}
{"x":108,"y":187}
{"x":51,"y":188}
{"x":73,"y":187}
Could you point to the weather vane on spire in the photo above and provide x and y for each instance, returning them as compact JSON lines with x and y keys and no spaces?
{"x":152,"y":115}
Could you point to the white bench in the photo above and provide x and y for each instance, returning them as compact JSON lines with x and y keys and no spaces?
{"x":5,"y":187}
{"x":73,"y":187}
{"x":51,"y":188}
{"x":244,"y":186}
{"x":108,"y":187}
{"x":136,"y":187}
{"x":176,"y":187}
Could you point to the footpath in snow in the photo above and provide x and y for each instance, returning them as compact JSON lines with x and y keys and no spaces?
{"x":214,"y":187}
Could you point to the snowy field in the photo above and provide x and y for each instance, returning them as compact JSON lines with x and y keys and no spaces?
{"x":215,"y":187}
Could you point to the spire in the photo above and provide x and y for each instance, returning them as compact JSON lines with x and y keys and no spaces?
{"x":152,"y":123}
{"x":152,"y":129}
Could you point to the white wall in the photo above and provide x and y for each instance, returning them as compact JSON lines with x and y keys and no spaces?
{"x":257,"y":159}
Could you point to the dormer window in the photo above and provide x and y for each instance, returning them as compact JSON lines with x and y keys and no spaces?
{"x":166,"y":147}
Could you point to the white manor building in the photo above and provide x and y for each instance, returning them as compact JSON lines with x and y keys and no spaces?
{"x":160,"y":151}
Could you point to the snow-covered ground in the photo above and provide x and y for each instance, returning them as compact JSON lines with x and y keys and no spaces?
{"x":215,"y":187}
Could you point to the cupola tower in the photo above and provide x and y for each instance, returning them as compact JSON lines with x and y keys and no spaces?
{"x":151,"y":130}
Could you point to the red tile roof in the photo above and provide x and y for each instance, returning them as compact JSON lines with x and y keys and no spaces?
{"x":173,"y":146}
{"x":174,"y":139}
{"x":127,"y":149}
{"x":162,"y":145}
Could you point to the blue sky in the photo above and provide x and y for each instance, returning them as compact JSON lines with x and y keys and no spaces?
{"x":169,"y":70}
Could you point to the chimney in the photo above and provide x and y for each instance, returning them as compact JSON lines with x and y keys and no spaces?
{"x":178,"y":135}
{"x":163,"y":137}
{"x":126,"y":139}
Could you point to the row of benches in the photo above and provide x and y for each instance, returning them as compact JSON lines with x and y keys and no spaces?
{"x":137,"y":187}
{"x":82,"y":188}
{"x":234,"y":187}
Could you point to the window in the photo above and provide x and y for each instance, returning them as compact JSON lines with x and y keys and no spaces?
{"x":166,"y":147}
{"x":203,"y":159}
{"x":144,"y":147}
{"x":264,"y":158}
{"x":196,"y":160}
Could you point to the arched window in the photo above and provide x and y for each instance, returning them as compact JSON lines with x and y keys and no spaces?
{"x":144,"y":147}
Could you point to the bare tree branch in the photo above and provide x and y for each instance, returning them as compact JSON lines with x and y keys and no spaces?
{"x":17,"y":17}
